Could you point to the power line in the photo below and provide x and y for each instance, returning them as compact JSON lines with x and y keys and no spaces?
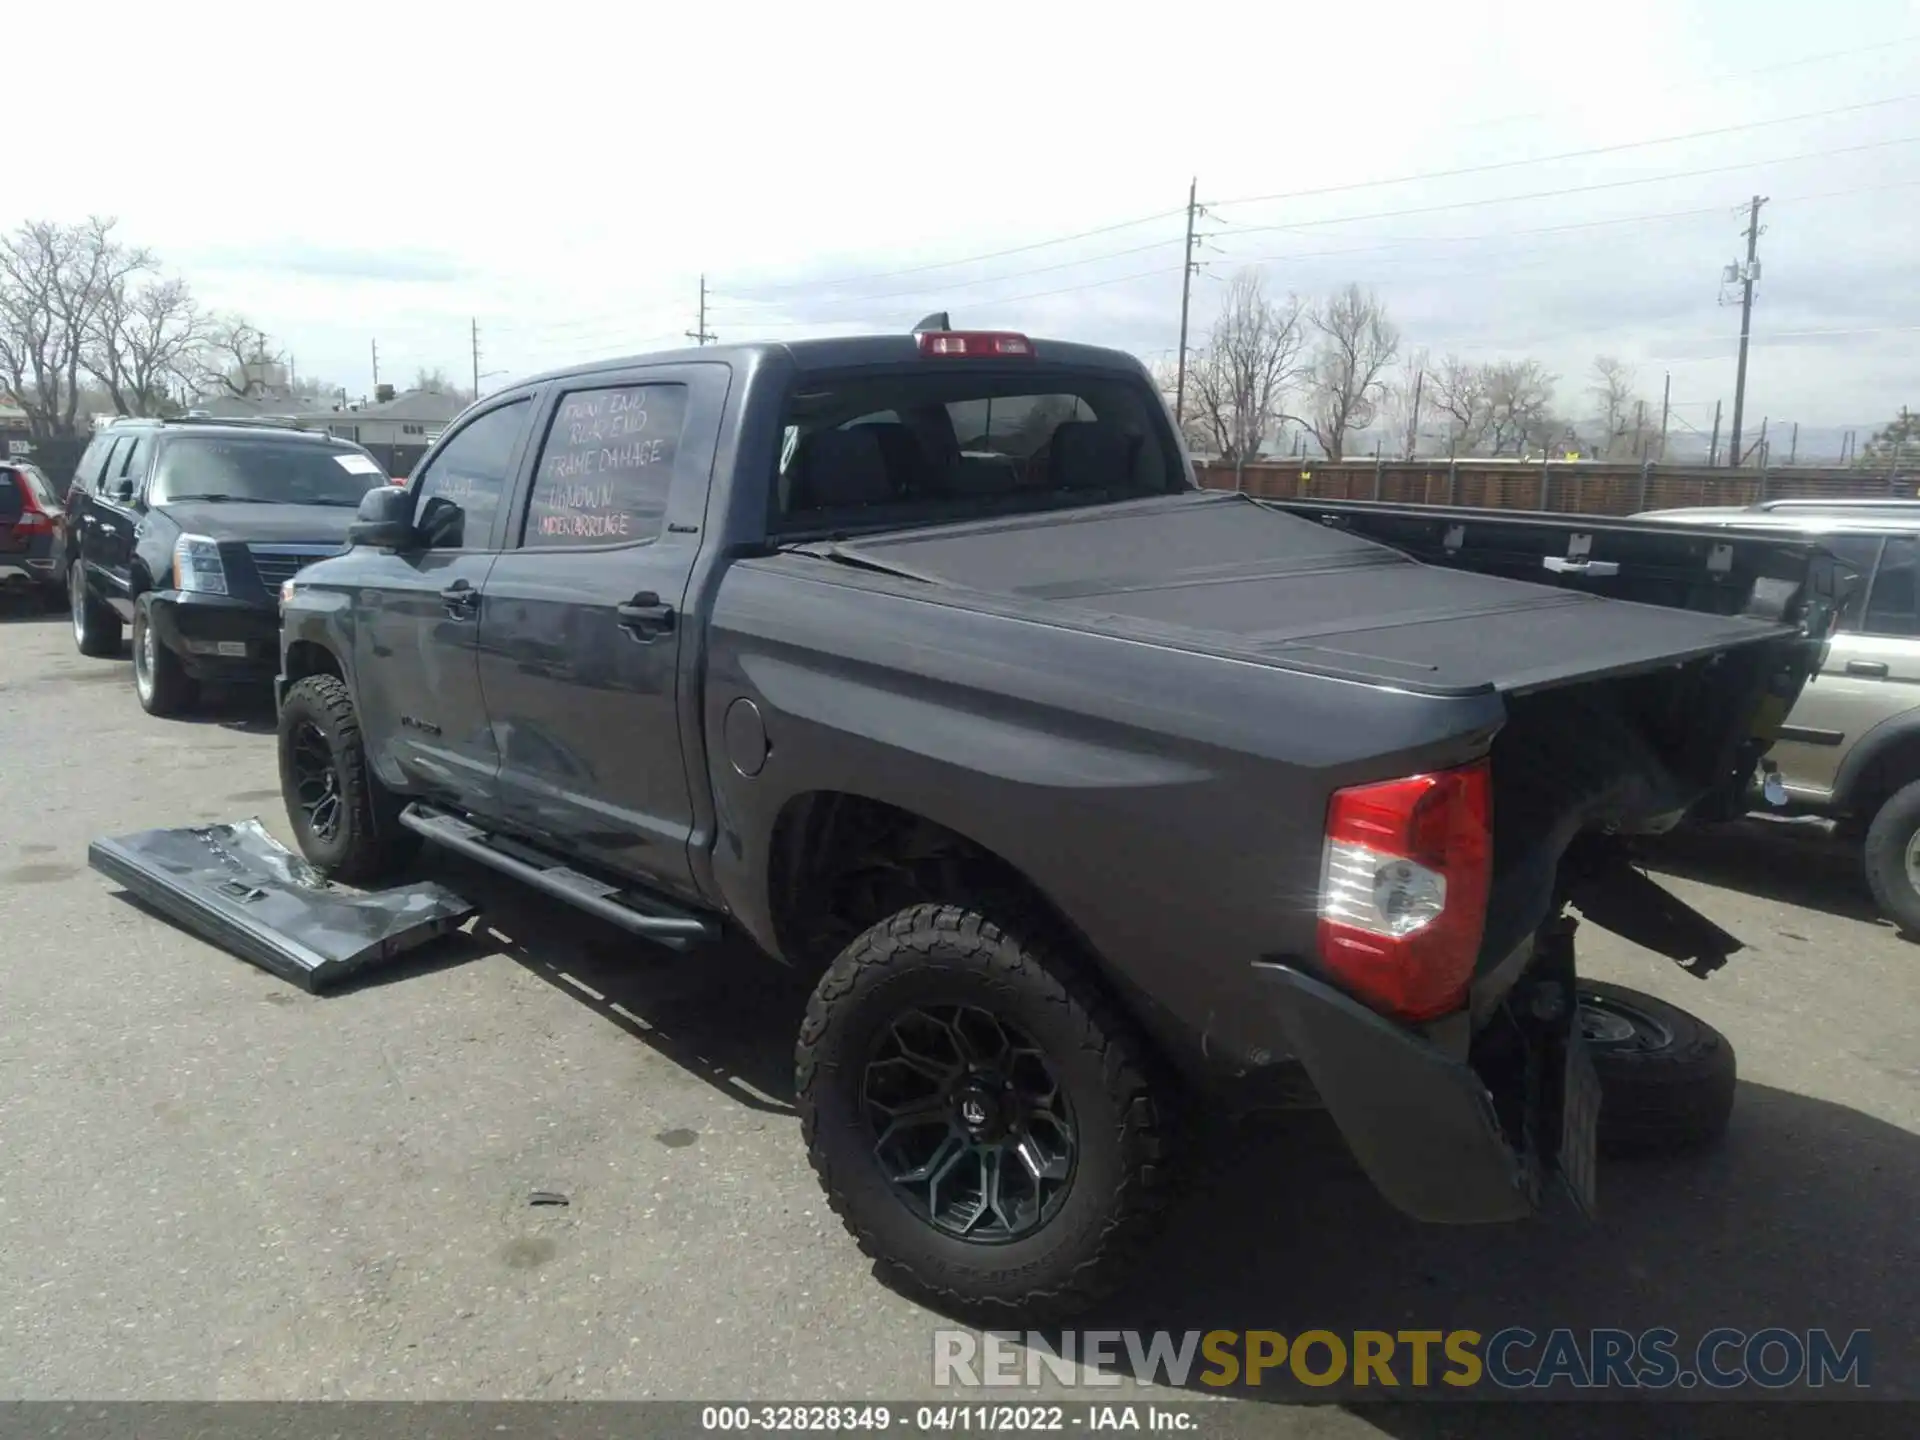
{"x":1569,"y":226}
{"x":1575,"y":189}
{"x":1586,"y":154}
{"x":974,"y":259}
{"x":980,"y":280}
{"x":1797,"y":62}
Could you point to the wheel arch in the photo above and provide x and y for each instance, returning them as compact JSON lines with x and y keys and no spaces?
{"x":1886,"y":758}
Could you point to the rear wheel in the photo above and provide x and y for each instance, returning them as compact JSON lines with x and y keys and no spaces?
{"x":159,"y":679}
{"x":982,"y":1117}
{"x":1666,"y":1077}
{"x":96,"y":629}
{"x":344,"y":820}
{"x":1891,"y":853}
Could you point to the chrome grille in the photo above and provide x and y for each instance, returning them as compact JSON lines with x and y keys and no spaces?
{"x":276,"y":564}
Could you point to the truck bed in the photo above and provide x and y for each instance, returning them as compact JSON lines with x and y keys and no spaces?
{"x":1351,"y":597}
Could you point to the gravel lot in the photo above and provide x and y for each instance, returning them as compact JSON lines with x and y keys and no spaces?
{"x":217,"y":1186}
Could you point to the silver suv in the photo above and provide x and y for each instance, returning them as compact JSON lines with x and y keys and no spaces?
{"x":1851,"y":746}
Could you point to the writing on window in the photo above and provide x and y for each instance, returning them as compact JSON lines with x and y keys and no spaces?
{"x":607,"y":466}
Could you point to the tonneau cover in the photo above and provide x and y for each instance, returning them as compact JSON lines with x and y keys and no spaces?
{"x":1220,"y":573}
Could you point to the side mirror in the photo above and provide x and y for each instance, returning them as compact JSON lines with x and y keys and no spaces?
{"x":123,"y":489}
{"x":384,"y":520}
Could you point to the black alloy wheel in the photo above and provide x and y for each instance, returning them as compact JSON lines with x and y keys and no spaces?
{"x":316,"y":781}
{"x":969,"y":1123}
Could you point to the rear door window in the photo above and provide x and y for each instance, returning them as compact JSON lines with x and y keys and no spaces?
{"x":110,"y":472}
{"x":606,"y":466}
{"x":41,"y":487}
{"x":86,"y":475}
{"x":1890,"y":607}
{"x":1858,"y":553}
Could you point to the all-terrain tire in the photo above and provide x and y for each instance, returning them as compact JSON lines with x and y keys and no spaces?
{"x":1884,"y":854}
{"x":1669,"y":1091}
{"x":365,"y":840}
{"x":96,"y":629}
{"x":1000,"y":958}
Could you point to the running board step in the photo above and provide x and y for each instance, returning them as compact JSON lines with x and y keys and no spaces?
{"x":659,"y":921}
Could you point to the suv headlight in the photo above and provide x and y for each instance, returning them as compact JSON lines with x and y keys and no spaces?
{"x":196,"y":565}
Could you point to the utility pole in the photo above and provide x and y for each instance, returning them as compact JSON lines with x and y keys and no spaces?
{"x":1186,"y":297}
{"x":1793,"y":447}
{"x":699,"y":335}
{"x":473,"y":327}
{"x":1413,"y":423}
{"x":376,"y":364}
{"x":1713,"y":447}
{"x":1666,"y":405}
{"x":1748,"y":274}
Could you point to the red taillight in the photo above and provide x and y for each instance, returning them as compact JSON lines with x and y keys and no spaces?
{"x":973,"y":343}
{"x":1403,"y":889}
{"x":398,"y":480}
{"x":34,"y":518}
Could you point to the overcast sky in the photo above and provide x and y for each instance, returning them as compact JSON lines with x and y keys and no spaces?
{"x":564,"y":174}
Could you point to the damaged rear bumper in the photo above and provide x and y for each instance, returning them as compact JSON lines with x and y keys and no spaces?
{"x":239,"y":888}
{"x":1439,"y":1140}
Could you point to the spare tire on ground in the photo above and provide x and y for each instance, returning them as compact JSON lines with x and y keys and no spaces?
{"x":1666,"y":1077}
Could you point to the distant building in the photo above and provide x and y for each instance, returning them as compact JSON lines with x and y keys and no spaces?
{"x":412,"y":419}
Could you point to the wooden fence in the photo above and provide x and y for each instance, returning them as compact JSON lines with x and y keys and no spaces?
{"x":1582,"y":487}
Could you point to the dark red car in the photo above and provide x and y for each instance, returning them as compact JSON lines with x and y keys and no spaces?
{"x":32,"y":532}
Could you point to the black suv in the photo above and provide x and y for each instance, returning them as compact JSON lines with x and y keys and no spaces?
{"x":187,"y":529}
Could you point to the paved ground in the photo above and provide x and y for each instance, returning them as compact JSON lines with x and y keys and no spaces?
{"x":213,"y":1185}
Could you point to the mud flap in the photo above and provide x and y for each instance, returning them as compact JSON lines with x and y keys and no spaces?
{"x":238,"y":887}
{"x":1561,"y":1098}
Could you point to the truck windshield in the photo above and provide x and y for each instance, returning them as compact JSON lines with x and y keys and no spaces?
{"x":881,"y":451}
{"x":263,"y":470}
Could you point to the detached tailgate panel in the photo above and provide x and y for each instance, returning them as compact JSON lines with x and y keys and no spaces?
{"x":239,"y":888}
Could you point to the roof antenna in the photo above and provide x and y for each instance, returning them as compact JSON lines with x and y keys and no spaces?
{"x":936,"y":321}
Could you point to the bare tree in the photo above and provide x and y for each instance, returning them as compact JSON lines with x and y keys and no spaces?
{"x":53,"y":279}
{"x":1461,"y":394}
{"x":144,"y":339}
{"x":1239,"y":382}
{"x":436,"y":381}
{"x":1617,"y":412}
{"x":1520,"y":414}
{"x":238,"y":359}
{"x":1357,"y":344}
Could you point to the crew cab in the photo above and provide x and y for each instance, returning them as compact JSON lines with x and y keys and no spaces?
{"x":185,"y":530}
{"x":1083,"y":792}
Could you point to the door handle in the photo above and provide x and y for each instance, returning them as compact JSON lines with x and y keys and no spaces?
{"x":1872,"y":669}
{"x":461,"y":600}
{"x":645,"y":614}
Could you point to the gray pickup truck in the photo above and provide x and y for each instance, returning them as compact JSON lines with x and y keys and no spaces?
{"x":1083,"y":792}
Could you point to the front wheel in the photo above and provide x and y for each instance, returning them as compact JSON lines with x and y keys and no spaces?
{"x":159,"y":680}
{"x":983,"y":1119}
{"x":344,"y":820}
{"x":1891,"y":853}
{"x":1666,"y":1077}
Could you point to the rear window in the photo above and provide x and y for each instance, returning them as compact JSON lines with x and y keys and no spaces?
{"x":262,"y":470}
{"x":871,"y":451}
{"x":38,"y":484}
